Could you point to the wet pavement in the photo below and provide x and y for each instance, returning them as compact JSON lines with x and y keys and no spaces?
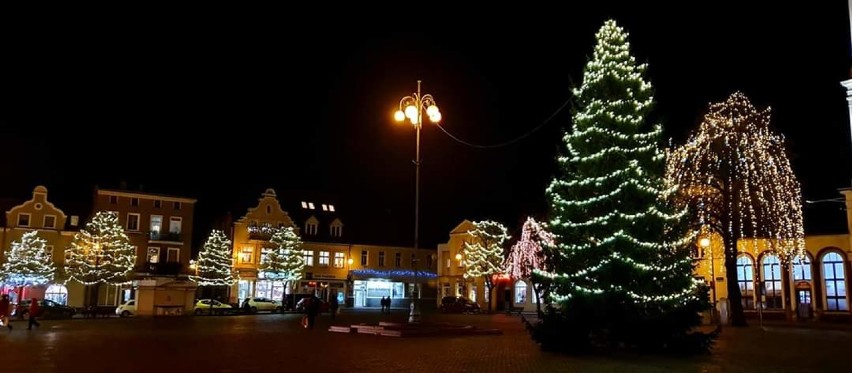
{"x":273,"y":343}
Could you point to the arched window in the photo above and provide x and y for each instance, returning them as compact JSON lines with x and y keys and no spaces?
{"x":745,"y":278}
{"x":772,"y":281}
{"x":835,"y":282}
{"x":520,"y":292}
{"x":57,"y":293}
{"x":802,"y":268}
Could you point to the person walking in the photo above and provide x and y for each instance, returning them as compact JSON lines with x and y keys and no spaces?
{"x":34,"y":311}
{"x":4,"y":311}
{"x":313,"y":310}
{"x":333,"y":305}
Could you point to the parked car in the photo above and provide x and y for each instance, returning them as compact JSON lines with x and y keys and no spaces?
{"x":126,"y":309}
{"x":264,"y":304}
{"x":300,"y":307}
{"x":211,"y":305}
{"x":48,"y":309}
{"x":453,"y":304}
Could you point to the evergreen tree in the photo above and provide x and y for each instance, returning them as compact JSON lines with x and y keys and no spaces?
{"x":622,"y":271}
{"x":484,"y":255}
{"x":28,"y":262}
{"x":284,"y":261}
{"x":213,"y":267}
{"x":100,"y":253}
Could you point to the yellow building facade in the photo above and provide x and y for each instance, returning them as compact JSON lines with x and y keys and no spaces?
{"x":357,"y":275}
{"x":58,"y":229}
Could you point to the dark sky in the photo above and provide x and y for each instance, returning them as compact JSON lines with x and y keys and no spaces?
{"x":220,"y":108}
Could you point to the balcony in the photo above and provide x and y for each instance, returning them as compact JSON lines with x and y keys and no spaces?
{"x":165,"y":236}
{"x":161,"y":269}
{"x":261,"y":232}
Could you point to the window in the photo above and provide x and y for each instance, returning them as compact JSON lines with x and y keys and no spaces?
{"x":134,"y":202}
{"x":304,"y":205}
{"x":429,"y":261}
{"x":177,"y":205}
{"x":50,"y":221}
{"x":331,"y":208}
{"x":158,"y":203}
{"x":156,"y":223}
{"x":446,"y":255}
{"x":173,"y":256}
{"x":398,"y":260}
{"x":310,"y":228}
{"x":23,"y":219}
{"x":381,"y":258}
{"x":247,"y":255}
{"x":745,"y":276}
{"x":323,"y":258}
{"x":309,"y":257}
{"x":174,"y":224}
{"x":311,"y":205}
{"x":113,"y":200}
{"x":835,"y":282}
{"x":338,"y":260}
{"x":56,"y":293}
{"x":75,"y":220}
{"x":364,"y":257}
{"x":336,"y":230}
{"x":153,"y":255}
{"x":268,"y":209}
{"x":324,"y":207}
{"x":772,"y":282}
{"x":802,"y":268}
{"x":132,"y":222}
{"x":520,"y":292}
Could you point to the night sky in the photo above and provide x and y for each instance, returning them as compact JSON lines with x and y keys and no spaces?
{"x":220,"y":109}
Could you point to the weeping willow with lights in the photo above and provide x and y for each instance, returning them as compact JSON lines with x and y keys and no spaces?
{"x":622,"y":272}
{"x":734,"y":173}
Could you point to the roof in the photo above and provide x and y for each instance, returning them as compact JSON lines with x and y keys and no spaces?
{"x":326,"y":210}
{"x":145,"y":195}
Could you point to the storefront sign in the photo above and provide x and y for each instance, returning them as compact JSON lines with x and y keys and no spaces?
{"x":324,"y":276}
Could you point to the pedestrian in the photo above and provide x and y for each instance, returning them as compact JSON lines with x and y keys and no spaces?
{"x":333,"y":305}
{"x":34,"y":311}
{"x":4,"y":311}
{"x":313,"y":310}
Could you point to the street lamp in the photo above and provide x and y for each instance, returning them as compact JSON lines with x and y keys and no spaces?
{"x":464,"y":285}
{"x":411,"y":108}
{"x":704,"y":243}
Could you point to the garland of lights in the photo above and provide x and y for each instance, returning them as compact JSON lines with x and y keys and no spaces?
{"x":393,"y":273}
{"x":285,"y":260}
{"x":28,"y":262}
{"x":527,"y":254}
{"x":734,"y":157}
{"x":100,"y":252}
{"x":213,"y":267}
{"x":484,"y":256}
{"x":611,"y":210}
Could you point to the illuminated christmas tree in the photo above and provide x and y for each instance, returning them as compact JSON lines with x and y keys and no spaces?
{"x":213,"y":267}
{"x":735,"y":174}
{"x":528,"y":255}
{"x":28,"y":262}
{"x":284,"y":261}
{"x":484,"y":255}
{"x":621,"y":272}
{"x":100,"y":254}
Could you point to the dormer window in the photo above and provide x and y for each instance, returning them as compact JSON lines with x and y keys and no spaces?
{"x":324,"y":207}
{"x":336,"y":231}
{"x":331,"y":208}
{"x":311,"y":206}
{"x":304,"y":205}
{"x":311,"y":228}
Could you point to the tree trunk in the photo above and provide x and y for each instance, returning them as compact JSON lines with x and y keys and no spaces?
{"x":488,"y":286}
{"x":786,"y":295}
{"x":735,"y":297}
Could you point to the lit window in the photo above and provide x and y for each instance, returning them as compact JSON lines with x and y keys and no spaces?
{"x":520,"y":292}
{"x":338,"y":260}
{"x":835,"y":282}
{"x":323,"y":258}
{"x":311,"y":205}
{"x":247,"y":255}
{"x":153,"y":255}
{"x":772,"y":281}
{"x":57,"y":293}
{"x":331,"y":208}
{"x":75,"y":220}
{"x":304,"y":205}
{"x":745,"y":277}
{"x":309,"y":257}
{"x":324,"y":207}
{"x":802,"y":268}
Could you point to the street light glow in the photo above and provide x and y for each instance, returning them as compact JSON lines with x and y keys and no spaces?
{"x":399,"y":116}
{"x":704,"y":242}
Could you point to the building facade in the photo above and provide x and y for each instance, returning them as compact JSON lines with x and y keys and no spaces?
{"x":58,"y":229}
{"x":357,"y":275}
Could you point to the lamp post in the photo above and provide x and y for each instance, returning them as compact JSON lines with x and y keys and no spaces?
{"x":704,"y":242}
{"x":464,"y":284}
{"x":411,"y":108}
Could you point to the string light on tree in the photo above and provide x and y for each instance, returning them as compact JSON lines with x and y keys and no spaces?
{"x":283,"y":261}
{"x":527,"y":255}
{"x":100,"y":252}
{"x":214,"y":265}
{"x":28,"y":262}
{"x":484,"y":256}
{"x":735,"y":174}
{"x":621,"y":244}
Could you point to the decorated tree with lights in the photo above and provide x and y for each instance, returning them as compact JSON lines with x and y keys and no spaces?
{"x":283,"y":261}
{"x":621,"y":272}
{"x":528,"y":254}
{"x":28,"y":262}
{"x":214,"y":264}
{"x":734,"y":173}
{"x":100,"y":253}
{"x":484,"y":254}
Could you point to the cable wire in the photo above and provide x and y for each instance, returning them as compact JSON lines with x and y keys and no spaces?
{"x":510,"y":142}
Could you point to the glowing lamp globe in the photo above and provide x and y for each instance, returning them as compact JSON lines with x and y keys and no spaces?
{"x":704,"y":242}
{"x":411,"y":112}
{"x":432,"y":110}
{"x":436,"y":117}
{"x":399,"y":116}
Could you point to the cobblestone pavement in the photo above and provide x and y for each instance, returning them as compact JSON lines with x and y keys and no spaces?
{"x":273,"y":343}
